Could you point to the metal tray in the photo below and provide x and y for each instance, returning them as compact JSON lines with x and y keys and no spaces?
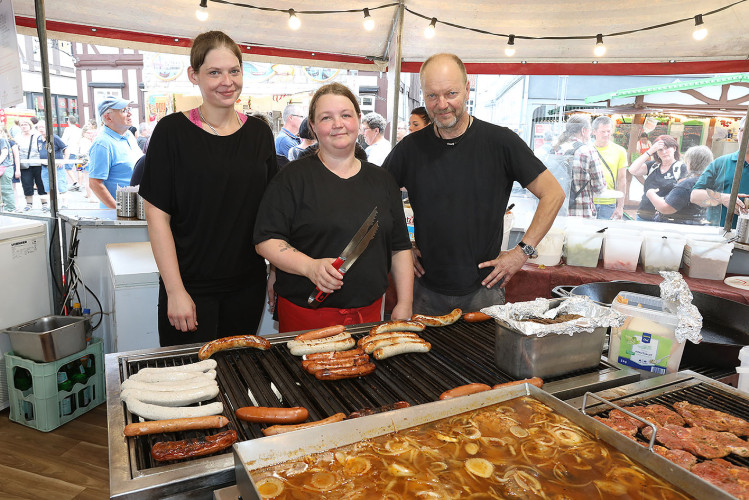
{"x":258,"y":453}
{"x":49,"y":338}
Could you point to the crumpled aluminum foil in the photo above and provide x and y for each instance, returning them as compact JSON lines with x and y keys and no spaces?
{"x":678,"y":298}
{"x":593,"y":316}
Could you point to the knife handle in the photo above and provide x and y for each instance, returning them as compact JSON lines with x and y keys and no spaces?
{"x":316,"y":298}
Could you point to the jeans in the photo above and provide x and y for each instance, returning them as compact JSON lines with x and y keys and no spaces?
{"x":31,"y":176}
{"x":605,"y":211}
{"x":6,"y":189}
{"x":62,"y":182}
{"x":433,"y":303}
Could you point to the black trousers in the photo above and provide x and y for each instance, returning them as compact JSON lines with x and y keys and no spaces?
{"x":29,"y":177}
{"x":219,"y":315}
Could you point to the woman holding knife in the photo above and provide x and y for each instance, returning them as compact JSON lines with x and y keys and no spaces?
{"x":313,"y":208}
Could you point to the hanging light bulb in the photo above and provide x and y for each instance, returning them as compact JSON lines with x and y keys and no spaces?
{"x":600,"y":49}
{"x":294,"y":22}
{"x":429,"y":30}
{"x":202,"y":11}
{"x":700,"y":32}
{"x":510,"y":48}
{"x":368,"y":21}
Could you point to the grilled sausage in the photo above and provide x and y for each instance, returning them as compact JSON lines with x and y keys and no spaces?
{"x":172,"y":398}
{"x":476,"y":317}
{"x":175,"y":425}
{"x":382,"y":409}
{"x":266,"y":415}
{"x":395,"y":349}
{"x":464,"y":390}
{"x":179,"y":385}
{"x":156,"y":412}
{"x":397,"y":326}
{"x":164,"y":451}
{"x":313,"y":366}
{"x":342,"y":373}
{"x":322,"y":356}
{"x":280,"y":429}
{"x":235,"y":342}
{"x":381,"y":336}
{"x":447,"y":319}
{"x":533,"y":381}
{"x":371,"y":347}
{"x":321,"y":333}
{"x":200,"y":366}
{"x":339,"y":345}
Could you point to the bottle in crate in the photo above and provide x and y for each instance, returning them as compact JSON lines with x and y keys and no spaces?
{"x":22,"y":380}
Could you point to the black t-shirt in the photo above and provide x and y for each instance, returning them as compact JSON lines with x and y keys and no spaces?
{"x":686,"y":211}
{"x":211,"y":186}
{"x":459,"y":195}
{"x":655,"y":180}
{"x":318,"y":213}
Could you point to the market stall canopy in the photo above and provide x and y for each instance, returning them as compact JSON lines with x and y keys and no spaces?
{"x":640,"y":37}
{"x":725,"y":95}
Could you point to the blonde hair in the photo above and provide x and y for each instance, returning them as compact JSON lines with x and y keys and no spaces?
{"x":205,"y":42}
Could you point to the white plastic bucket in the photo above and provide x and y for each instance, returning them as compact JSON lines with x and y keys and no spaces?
{"x":583,"y":246}
{"x":621,"y":249}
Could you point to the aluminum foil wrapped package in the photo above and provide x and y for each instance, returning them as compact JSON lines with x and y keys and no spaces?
{"x":678,"y":298}
{"x":517,"y":316}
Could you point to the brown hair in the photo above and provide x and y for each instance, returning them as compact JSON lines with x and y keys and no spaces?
{"x":205,"y":42}
{"x":669,"y":142}
{"x":452,"y":57}
{"x":335,"y":89}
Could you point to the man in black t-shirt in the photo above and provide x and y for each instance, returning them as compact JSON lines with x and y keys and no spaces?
{"x":459,"y":174}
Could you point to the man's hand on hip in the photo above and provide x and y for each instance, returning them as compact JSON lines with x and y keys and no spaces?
{"x":505,"y":266}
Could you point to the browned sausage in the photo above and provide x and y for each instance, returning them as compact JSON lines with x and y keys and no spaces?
{"x":280,"y":429}
{"x":397,"y":326}
{"x":464,"y":390}
{"x":533,"y":381}
{"x":175,"y":425}
{"x":367,"y":339}
{"x":447,"y":319}
{"x":476,"y":317}
{"x":321,"y":333}
{"x":382,"y":409}
{"x":266,"y":415}
{"x":401,"y":348}
{"x":164,"y":451}
{"x":321,"y":356}
{"x":235,"y":342}
{"x":314,"y":366}
{"x":341,"y":373}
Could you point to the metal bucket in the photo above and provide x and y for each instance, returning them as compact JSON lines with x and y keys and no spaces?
{"x":742,"y":229}
{"x":141,"y":208}
{"x":127,"y":203}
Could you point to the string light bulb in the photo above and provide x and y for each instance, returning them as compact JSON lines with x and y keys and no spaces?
{"x":600,"y":48}
{"x":510,"y":48}
{"x":700,"y":32}
{"x":368,"y":21}
{"x":202,"y":11}
{"x":294,"y":22}
{"x":429,"y":30}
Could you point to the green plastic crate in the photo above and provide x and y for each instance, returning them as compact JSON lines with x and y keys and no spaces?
{"x":43,"y":398}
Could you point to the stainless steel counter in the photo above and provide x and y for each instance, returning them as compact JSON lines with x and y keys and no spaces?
{"x":98,"y":217}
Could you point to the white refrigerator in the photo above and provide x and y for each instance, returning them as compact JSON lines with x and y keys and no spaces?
{"x":24,"y":274}
{"x":134,"y":292}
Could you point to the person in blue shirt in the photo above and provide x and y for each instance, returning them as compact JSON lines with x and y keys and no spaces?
{"x":114,"y":151}
{"x":61,"y":153}
{"x":713,"y":188}
{"x":293,"y":114}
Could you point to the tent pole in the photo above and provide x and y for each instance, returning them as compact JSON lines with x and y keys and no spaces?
{"x":397,"y":82}
{"x":737,"y":177}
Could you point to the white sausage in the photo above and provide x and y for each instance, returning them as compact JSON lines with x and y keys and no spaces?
{"x":173,"y":398}
{"x":371,"y":347}
{"x":171,"y":376}
{"x":291,"y":344}
{"x":395,"y":349}
{"x":155,"y":412}
{"x":340,"y":345}
{"x":200,"y":366}
{"x":178,"y":385}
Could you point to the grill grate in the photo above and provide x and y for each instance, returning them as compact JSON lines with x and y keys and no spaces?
{"x":461,"y":353}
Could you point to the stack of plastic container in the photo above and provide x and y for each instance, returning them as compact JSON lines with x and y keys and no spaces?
{"x":662,"y":251}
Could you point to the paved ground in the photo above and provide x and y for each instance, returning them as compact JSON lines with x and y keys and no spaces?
{"x":71,"y":199}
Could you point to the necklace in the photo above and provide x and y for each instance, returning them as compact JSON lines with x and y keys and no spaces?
{"x":457,"y":139}
{"x":202,"y":118}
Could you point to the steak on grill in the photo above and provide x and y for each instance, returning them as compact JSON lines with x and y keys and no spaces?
{"x":701,"y":442}
{"x":724,"y":475}
{"x":699,"y":416}
{"x":620,"y":425}
{"x":655,"y":413}
{"x":679,"y":457}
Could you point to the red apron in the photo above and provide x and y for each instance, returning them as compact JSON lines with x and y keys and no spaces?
{"x":292,"y":318}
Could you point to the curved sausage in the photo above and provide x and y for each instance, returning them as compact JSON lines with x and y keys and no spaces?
{"x":175,"y":425}
{"x":533,"y":381}
{"x":397,"y":326}
{"x":200,"y":366}
{"x":235,"y":342}
{"x":339,"y":345}
{"x":291,"y":344}
{"x":342,"y":373}
{"x":169,"y":376}
{"x":395,"y":349}
{"x":266,"y":415}
{"x":172,"y":398}
{"x":169,"y":386}
{"x":464,"y":390}
{"x":362,"y":342}
{"x":280,"y":429}
{"x":321,"y":333}
{"x":164,"y":451}
{"x":476,"y":317}
{"x":313,"y":366}
{"x":321,"y":356}
{"x":447,"y":319}
{"x":157,"y":412}
{"x":371,"y":347}
{"x":382,"y":409}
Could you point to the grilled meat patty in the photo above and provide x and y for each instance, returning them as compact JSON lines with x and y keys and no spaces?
{"x":620,"y":425}
{"x":655,"y":413}
{"x":701,"y":442}
{"x":726,"y":476}
{"x":679,"y":457}
{"x":699,"y":416}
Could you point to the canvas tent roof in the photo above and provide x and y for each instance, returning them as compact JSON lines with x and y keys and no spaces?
{"x":338,"y":39}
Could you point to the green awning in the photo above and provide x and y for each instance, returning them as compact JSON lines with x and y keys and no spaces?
{"x":671,"y":87}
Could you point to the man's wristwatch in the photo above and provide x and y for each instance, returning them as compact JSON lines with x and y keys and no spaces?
{"x":527,"y":249}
